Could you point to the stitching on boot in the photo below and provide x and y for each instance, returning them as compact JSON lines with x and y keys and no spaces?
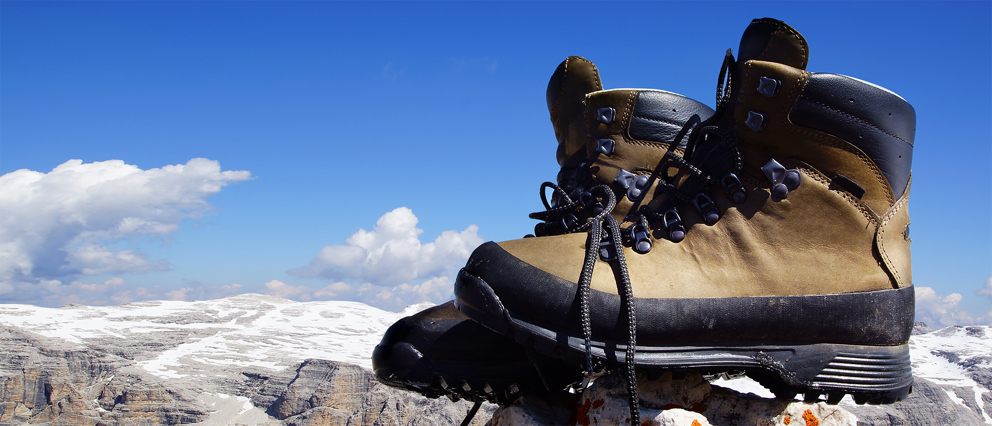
{"x":768,"y":45}
{"x":595,"y":72}
{"x":738,"y":105}
{"x":826,"y":139}
{"x":628,"y":110}
{"x":822,"y":138}
{"x":833,"y":141}
{"x":863,"y":121}
{"x":821,"y":178}
{"x":790,"y":101}
{"x":881,"y":239}
{"x":792,"y":32}
{"x":561,"y":90}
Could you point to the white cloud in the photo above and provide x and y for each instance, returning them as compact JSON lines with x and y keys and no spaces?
{"x":333,"y":291}
{"x":937,"y":310}
{"x":280,"y":289}
{"x":64,"y":224}
{"x":389,"y":267}
{"x":987,"y":289}
{"x":391,"y":254}
{"x":197,"y":291}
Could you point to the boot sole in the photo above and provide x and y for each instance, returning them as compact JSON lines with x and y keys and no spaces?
{"x":871,"y":374}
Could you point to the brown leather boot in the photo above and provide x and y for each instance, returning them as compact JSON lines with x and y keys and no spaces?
{"x":775,"y":243}
{"x":442,"y":352}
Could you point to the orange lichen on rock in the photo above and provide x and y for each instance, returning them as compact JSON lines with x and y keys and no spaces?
{"x":787,"y":420}
{"x":695,"y":423}
{"x":811,"y":420}
{"x":582,"y":414}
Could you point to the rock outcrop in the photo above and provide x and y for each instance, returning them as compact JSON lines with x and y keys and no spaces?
{"x":929,"y":404}
{"x":691,"y":400}
{"x":50,"y":381}
{"x":45,"y":380}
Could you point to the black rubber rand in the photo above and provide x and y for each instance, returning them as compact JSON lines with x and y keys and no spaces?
{"x":441,"y":355}
{"x":874,"y":374}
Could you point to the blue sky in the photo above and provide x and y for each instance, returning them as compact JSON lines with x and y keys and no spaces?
{"x":339,"y":113}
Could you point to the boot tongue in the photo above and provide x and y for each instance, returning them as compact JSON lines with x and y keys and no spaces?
{"x":772,"y":40}
{"x":567,"y":90}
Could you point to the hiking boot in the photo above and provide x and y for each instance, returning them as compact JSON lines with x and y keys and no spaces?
{"x":440,"y":351}
{"x":775,"y":243}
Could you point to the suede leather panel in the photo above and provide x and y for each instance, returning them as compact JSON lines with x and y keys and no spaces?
{"x":893,"y":242}
{"x":782,"y":139}
{"x":883,"y":317}
{"x":817,"y":241}
{"x":570,"y":83}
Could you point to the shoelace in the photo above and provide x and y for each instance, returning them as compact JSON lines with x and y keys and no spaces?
{"x":709,"y":148}
{"x":612,"y":231}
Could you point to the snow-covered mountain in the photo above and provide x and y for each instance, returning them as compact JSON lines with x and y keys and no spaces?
{"x":247,"y":359}
{"x":193,"y":337}
{"x":239,"y":359}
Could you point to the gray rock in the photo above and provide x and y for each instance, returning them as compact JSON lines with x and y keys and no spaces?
{"x":929,"y":404}
{"x":46,"y":380}
{"x":666,"y":401}
{"x":50,"y":381}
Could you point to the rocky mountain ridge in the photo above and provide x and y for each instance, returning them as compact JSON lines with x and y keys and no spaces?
{"x":253,"y":359}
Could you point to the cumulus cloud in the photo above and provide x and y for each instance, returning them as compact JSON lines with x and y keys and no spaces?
{"x":198,"y":291}
{"x":280,"y":289}
{"x":935,"y":309}
{"x":388,"y":266}
{"x":63,"y":225}
{"x":116,"y":291}
{"x":987,"y":289}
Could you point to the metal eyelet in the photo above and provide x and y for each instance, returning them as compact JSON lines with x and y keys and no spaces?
{"x":707,"y":208}
{"x":783,"y":181}
{"x":641,"y":239}
{"x":734,"y":188}
{"x":569,"y":221}
{"x":756,"y":121}
{"x":606,"y":250}
{"x":638,"y":188}
{"x":769,"y":86}
{"x":606,"y":115}
{"x":605,"y":146}
{"x":589,"y":201}
{"x":676,"y":231}
{"x":625,"y":178}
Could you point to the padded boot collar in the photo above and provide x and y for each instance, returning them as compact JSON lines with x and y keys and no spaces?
{"x":572,"y":81}
{"x":772,"y":40}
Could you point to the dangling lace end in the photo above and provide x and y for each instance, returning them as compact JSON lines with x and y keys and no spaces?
{"x":471,"y":413}
{"x":588,"y":377}
{"x":634,"y":398}
{"x":537,"y":367}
